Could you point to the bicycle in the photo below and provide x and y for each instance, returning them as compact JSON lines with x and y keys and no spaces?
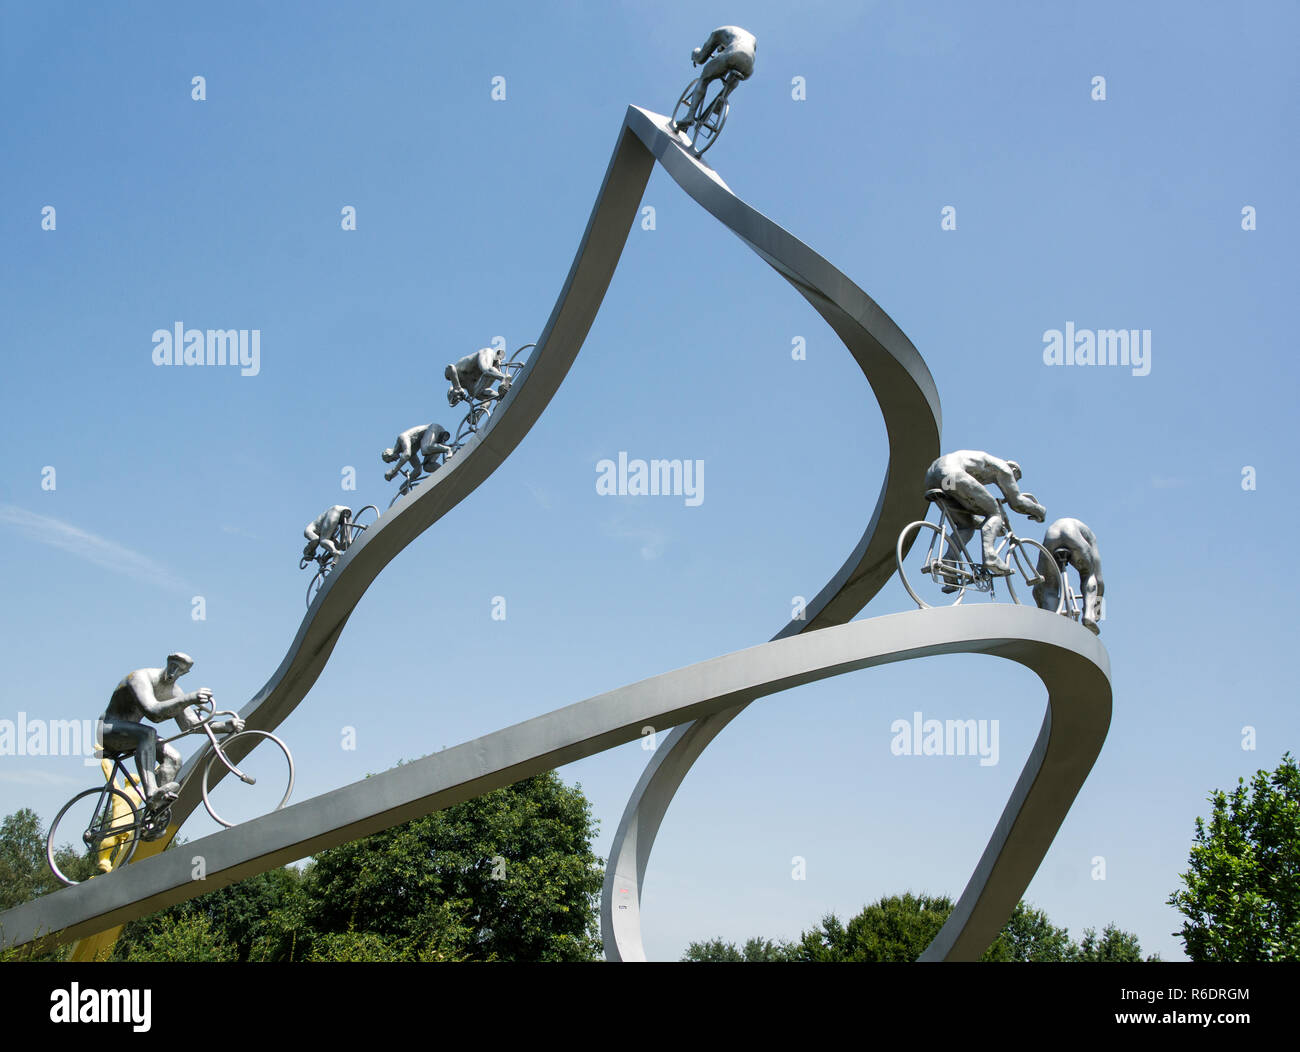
{"x":111,"y":824}
{"x":948,"y":570}
{"x":707,"y":120}
{"x":343,"y":538}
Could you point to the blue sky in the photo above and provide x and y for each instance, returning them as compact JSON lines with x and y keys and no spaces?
{"x":225,"y":213}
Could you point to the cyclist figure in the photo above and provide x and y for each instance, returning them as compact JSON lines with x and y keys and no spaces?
{"x":420,"y":447}
{"x":472,"y":377}
{"x":962,"y":477}
{"x":728,"y":48}
{"x":152,"y":693}
{"x":1073,"y":539}
{"x":329,"y":527}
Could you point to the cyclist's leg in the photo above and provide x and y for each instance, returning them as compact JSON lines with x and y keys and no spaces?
{"x":136,"y":738}
{"x":169,"y":765}
{"x":1093,"y":589}
{"x":974,"y":498}
{"x":961,"y":527}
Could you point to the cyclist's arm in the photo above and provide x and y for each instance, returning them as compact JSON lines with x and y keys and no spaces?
{"x":1015,"y":499}
{"x":709,"y":46}
{"x":158,"y":711}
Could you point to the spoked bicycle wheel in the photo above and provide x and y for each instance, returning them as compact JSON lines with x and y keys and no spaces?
{"x":362,"y":521}
{"x":315,"y":584}
{"x":709,"y":126}
{"x":927,"y":580}
{"x":512,"y":367}
{"x":1032,"y":564}
{"x":470,"y":425}
{"x":104,"y":823}
{"x":264,"y":771}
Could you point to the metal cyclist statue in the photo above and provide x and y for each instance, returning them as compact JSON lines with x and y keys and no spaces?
{"x":152,"y":693}
{"x":422,"y":448}
{"x":472,"y":377}
{"x":1072,"y":544}
{"x":962,"y":476}
{"x":727,"y":55}
{"x":329,"y":530}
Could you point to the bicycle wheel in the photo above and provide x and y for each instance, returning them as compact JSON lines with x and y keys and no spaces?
{"x":710,"y":124}
{"x":268,"y":770}
{"x":935,"y":572}
{"x":361,"y":522}
{"x":315,"y":584}
{"x":104,"y":821}
{"x":1026,"y":560}
{"x":470,"y":424}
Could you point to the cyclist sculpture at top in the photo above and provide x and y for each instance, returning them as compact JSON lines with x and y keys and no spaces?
{"x":962,"y":476}
{"x":152,"y":693}
{"x":728,"y":49}
{"x":322,"y":531}
{"x":1073,"y":544}
{"x":472,"y":377}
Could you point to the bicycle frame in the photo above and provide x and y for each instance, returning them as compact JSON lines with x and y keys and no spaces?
{"x":1072,"y":601}
{"x":978,"y":576}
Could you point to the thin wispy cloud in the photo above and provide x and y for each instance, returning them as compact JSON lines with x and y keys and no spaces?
{"x":106,"y":554}
{"x":35,"y":778}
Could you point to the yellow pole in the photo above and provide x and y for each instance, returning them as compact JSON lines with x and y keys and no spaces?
{"x":97,"y":947}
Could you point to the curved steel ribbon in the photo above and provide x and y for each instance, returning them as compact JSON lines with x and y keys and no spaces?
{"x":701,"y":698}
{"x":1069,"y":660}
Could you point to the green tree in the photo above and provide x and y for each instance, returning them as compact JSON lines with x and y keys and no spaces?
{"x":1241,"y":893}
{"x":897,"y":928}
{"x":243,"y":917}
{"x":900,"y":927}
{"x":24,"y":872}
{"x":187,"y":937}
{"x":1028,"y":936}
{"x":1113,"y":945}
{"x":508,"y":876}
{"x":717,"y":950}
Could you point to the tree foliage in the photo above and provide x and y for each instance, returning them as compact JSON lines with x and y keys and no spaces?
{"x":508,"y":876}
{"x":24,"y":872}
{"x":1241,"y":893}
{"x":900,"y":927}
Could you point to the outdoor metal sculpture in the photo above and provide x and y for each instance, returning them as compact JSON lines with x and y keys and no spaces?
{"x":113,"y":818}
{"x":329,"y":530}
{"x":1071,"y":543}
{"x":698,"y":701}
{"x":331,"y":534}
{"x":152,"y":693}
{"x":961,"y":478}
{"x":423,"y":449}
{"x":472,"y":377}
{"x":727,"y":55}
